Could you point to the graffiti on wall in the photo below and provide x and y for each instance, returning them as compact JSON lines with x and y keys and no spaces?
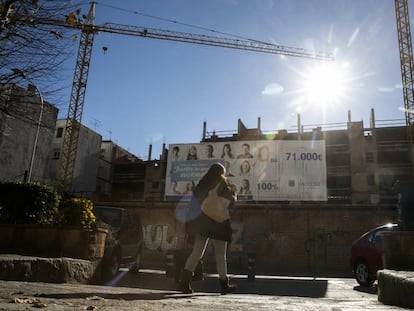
{"x":320,"y":240}
{"x":161,"y":237}
{"x":238,"y":238}
{"x":156,"y":237}
{"x":275,"y":237}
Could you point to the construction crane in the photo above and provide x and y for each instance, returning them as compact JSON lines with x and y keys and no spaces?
{"x":406,"y":62}
{"x":89,"y":29}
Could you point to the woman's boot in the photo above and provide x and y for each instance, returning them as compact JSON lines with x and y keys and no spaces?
{"x":185,"y":280}
{"x":226,"y":288}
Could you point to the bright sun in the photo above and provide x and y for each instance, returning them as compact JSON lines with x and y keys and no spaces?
{"x":326,"y":83}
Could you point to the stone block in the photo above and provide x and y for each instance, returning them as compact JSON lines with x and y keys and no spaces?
{"x":396,"y":288}
{"x":51,"y":270}
{"x":398,"y":250}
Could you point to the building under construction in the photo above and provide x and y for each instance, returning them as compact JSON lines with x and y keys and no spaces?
{"x":364,"y":166}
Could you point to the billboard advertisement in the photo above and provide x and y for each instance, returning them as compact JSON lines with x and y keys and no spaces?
{"x":261,"y":170}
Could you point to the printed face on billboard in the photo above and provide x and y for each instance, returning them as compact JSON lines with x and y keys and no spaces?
{"x":260,"y":170}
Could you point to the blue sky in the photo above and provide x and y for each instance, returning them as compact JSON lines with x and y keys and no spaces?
{"x":143,"y":91}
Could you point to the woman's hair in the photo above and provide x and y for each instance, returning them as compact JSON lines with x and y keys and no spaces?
{"x":190,"y":184}
{"x":245,"y":187}
{"x":248,"y":166}
{"x":214,"y":175}
{"x":228,"y":146}
{"x":215,"y":172}
{"x":263,"y":154}
{"x":190,"y":155}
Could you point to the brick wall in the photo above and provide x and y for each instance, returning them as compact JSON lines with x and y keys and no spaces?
{"x":283,"y":237}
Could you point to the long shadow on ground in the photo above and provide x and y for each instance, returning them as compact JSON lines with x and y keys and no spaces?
{"x":262,"y":285}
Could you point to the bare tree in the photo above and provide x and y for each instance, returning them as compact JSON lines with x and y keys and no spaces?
{"x":34,"y":48}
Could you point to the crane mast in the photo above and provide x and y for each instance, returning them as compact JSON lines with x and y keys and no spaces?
{"x":89,"y":29}
{"x":76,"y":103}
{"x":406,"y":62}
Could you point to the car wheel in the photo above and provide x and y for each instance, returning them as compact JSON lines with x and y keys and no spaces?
{"x":137,"y":263}
{"x":112,"y":266}
{"x":362,"y":274}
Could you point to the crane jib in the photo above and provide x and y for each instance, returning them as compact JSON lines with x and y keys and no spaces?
{"x":162,"y":34}
{"x":251,"y":45}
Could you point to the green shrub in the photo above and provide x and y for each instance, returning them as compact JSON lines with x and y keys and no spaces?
{"x":77,"y":212}
{"x":23,"y":203}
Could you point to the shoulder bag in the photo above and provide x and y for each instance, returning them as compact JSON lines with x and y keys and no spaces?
{"x":215,"y":206}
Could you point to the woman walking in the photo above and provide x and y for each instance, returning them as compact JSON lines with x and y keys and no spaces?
{"x":214,"y":196}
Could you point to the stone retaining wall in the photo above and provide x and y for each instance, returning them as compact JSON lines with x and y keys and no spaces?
{"x":396,"y":288}
{"x":51,"y":270}
{"x":50,"y":241}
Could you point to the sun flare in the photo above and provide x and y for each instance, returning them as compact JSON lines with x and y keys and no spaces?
{"x":325,"y":84}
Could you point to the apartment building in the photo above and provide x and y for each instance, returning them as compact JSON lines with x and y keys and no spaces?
{"x":118,"y":171}
{"x":27,"y":126}
{"x":85,"y":174}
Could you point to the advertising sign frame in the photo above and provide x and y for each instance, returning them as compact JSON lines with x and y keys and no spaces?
{"x":262,"y":170}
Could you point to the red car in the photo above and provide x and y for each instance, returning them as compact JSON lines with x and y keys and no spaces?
{"x":366,"y":257}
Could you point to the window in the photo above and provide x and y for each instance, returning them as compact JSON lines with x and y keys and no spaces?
{"x":59,"y":132}
{"x":338,"y":182}
{"x":56,"y":154}
{"x":377,"y":240}
{"x":369,"y":157}
{"x":371,"y":180}
{"x":338,"y":159}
